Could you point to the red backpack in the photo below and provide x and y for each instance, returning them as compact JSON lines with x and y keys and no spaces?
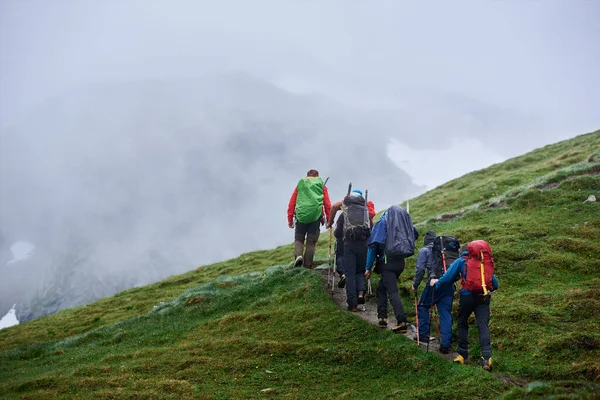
{"x":479,"y":253}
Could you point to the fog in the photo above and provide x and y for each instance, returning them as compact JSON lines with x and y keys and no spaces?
{"x":139,"y":139}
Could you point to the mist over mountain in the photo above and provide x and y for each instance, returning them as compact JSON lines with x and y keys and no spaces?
{"x":121,"y":185}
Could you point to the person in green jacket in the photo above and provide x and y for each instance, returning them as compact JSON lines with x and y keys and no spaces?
{"x":310,"y":205}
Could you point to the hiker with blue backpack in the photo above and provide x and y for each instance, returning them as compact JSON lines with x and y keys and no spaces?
{"x":310,"y":206}
{"x":436,"y":255}
{"x":391,"y":242}
{"x":475,"y":269}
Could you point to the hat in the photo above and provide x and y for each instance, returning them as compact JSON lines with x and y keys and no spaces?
{"x":357,"y":191}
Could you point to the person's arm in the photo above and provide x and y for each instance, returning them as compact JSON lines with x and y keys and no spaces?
{"x":292,"y":208}
{"x":334,"y":209}
{"x":326,"y":203}
{"x":371,"y":255}
{"x":450,"y":275}
{"x":421,"y":264}
{"x":416,"y":233}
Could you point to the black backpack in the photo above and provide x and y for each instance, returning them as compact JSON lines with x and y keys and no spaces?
{"x":445,"y":248}
{"x":356,"y":218}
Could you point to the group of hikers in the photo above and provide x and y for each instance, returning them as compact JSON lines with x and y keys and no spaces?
{"x":362,"y":246}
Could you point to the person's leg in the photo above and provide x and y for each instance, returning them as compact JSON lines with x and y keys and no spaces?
{"x":382,"y":300}
{"x":361,"y":260}
{"x":350,"y":265}
{"x":339,"y":256}
{"x":444,"y":307}
{"x":465,"y":308}
{"x":392,"y":271}
{"x":312,"y":235}
{"x":423,"y":307}
{"x":482,"y":315}
{"x":299,"y":237}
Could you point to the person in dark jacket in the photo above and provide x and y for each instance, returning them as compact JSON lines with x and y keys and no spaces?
{"x":387,"y":288}
{"x":338,"y":232}
{"x":441,"y":298}
{"x":469,"y":303}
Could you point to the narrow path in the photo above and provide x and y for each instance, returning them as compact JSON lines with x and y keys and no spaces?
{"x":368,"y":312}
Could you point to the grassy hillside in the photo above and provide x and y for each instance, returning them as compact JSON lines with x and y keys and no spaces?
{"x":235,"y":328}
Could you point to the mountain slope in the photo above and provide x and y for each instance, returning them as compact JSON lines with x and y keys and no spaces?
{"x":216,"y":333}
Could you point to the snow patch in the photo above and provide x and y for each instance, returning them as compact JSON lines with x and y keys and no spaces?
{"x":10,"y":319}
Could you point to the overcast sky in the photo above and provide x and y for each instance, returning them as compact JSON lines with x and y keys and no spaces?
{"x":539,"y":58}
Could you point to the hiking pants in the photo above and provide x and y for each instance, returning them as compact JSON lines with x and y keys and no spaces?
{"x":355,"y":260}
{"x":310,"y":232}
{"x":481,"y":307}
{"x":443,"y":299}
{"x":339,"y":256}
{"x":387,"y":288}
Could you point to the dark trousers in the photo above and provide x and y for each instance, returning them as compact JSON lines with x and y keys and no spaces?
{"x":310,"y":233}
{"x":443,"y":299}
{"x":387,"y":289}
{"x":339,"y":256}
{"x":355,"y":260}
{"x":481,"y":307}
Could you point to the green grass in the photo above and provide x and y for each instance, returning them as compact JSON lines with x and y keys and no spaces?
{"x":231,"y":329}
{"x":232,"y":338}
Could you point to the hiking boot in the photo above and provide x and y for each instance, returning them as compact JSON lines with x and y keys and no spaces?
{"x":342,"y":283}
{"x":486,"y":364}
{"x":460,"y":360}
{"x":400,"y":328}
{"x":382,"y":323}
{"x":444,"y":350}
{"x":299,"y":261}
{"x":361,"y":298}
{"x":352,"y":309}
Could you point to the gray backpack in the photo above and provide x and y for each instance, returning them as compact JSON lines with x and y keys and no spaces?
{"x":356,"y":218}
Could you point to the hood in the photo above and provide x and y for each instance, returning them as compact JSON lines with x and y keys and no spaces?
{"x":429,"y":238}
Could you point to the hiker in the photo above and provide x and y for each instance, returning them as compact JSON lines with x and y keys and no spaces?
{"x":394,"y":237}
{"x":355,"y":232}
{"x":338,"y":232}
{"x":475,"y":262}
{"x":309,"y":204}
{"x":442,"y":298}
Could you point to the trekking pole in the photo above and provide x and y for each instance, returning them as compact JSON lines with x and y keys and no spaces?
{"x":417,"y":316}
{"x":485,"y":291}
{"x":437,"y":319}
{"x":443,"y":253}
{"x":430,"y":311}
{"x":330,"y":263}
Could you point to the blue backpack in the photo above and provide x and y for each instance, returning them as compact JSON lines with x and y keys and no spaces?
{"x":400,"y":240}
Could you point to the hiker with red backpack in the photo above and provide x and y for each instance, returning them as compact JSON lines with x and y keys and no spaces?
{"x":435,"y":257}
{"x":310,"y":206}
{"x":475,"y":269}
{"x":392,"y":240}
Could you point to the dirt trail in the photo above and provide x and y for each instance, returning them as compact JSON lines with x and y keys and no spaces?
{"x":368,"y":312}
